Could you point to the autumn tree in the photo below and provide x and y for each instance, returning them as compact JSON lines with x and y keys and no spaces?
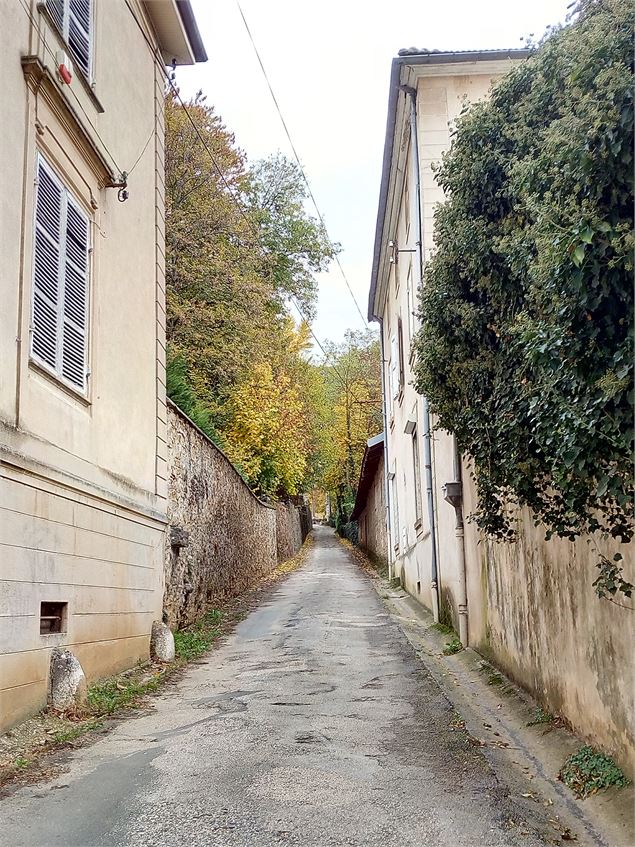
{"x":240,"y":246}
{"x":352,"y":414}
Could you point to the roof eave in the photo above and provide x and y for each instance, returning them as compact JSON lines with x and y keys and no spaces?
{"x":176,"y":31}
{"x":410,"y":60}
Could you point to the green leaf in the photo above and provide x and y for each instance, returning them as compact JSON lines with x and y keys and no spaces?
{"x":578,"y":255}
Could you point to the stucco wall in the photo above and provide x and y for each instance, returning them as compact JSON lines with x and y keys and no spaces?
{"x":232,"y":536}
{"x":372,"y":521}
{"x":533,"y":610}
{"x":82,"y":484}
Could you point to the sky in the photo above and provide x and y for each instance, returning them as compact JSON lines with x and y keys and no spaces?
{"x":329,"y":65}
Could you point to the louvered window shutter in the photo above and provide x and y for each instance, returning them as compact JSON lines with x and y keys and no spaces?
{"x":46,"y":271}
{"x":56,"y":9}
{"x":73,"y":365}
{"x":60,"y":281}
{"x":79,"y":18}
{"x":73,"y":18}
{"x":394,"y":366}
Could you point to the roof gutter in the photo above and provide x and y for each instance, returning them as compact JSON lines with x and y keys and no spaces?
{"x":412,"y":60}
{"x":191,"y":30}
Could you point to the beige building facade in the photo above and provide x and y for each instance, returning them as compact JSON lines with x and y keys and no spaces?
{"x":83,"y":424}
{"x":528,"y":606}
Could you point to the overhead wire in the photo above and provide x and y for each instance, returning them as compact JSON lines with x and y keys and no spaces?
{"x":217,"y":167}
{"x":118,"y":170}
{"x":297,"y":158}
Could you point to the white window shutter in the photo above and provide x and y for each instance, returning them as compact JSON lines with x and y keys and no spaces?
{"x":46,"y":270}
{"x":394,"y":366}
{"x":74,"y":309}
{"x":59,"y":324}
{"x":56,"y":10}
{"x":79,"y":24}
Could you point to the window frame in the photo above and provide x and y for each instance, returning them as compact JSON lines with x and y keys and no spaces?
{"x":418,"y":491}
{"x":67,"y":195}
{"x":64,"y":33}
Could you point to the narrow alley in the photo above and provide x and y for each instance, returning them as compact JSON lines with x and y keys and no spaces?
{"x":312,"y":724}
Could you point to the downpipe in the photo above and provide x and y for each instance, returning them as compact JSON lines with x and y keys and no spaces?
{"x":425,"y":409}
{"x":453,"y":494}
{"x":386,"y":465}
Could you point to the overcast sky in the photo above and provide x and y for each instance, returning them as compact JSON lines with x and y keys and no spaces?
{"x":329,"y":65}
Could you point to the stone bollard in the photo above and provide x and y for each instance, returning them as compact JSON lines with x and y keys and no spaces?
{"x":67,"y":682}
{"x":161,"y":642}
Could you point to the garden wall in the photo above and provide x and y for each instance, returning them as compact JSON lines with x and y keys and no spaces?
{"x":221,"y":538}
{"x":534,"y":612}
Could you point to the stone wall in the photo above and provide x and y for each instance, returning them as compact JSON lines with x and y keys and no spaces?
{"x":293,"y":524}
{"x":221,"y":538}
{"x":372,"y":521}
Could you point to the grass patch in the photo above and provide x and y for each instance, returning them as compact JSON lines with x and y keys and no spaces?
{"x":495,"y":678}
{"x":68,"y":734}
{"x":193,"y":642}
{"x":453,"y":646}
{"x":107,"y":697}
{"x":588,"y":771}
{"x":444,"y":629}
{"x":541,"y":717}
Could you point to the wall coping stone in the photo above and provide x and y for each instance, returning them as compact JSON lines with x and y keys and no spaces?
{"x":172,"y":405}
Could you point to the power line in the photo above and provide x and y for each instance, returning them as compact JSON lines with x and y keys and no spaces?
{"x":217,"y":167}
{"x":297,"y":158}
{"x":35,"y":23}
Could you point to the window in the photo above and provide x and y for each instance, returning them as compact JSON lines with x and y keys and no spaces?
{"x":394,"y":367}
{"x":60,"y":281}
{"x":417,"y":473}
{"x":412,"y":305}
{"x":73,"y":18}
{"x":401,"y":364}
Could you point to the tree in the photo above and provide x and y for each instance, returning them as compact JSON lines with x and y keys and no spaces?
{"x":239,"y":245}
{"x":297,"y":244}
{"x":352,"y":414}
{"x":526,"y":345}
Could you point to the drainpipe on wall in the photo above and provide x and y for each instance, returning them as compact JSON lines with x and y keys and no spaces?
{"x":385,"y":420}
{"x":427,"y":435}
{"x":453,"y":493}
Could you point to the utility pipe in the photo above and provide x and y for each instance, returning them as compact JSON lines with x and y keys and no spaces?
{"x":427,"y":435}
{"x":460,"y":546}
{"x":385,"y":421}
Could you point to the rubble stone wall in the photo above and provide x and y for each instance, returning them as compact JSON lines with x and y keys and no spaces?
{"x":221,"y":538}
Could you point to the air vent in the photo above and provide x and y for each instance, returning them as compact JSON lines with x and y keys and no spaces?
{"x":52,"y":618}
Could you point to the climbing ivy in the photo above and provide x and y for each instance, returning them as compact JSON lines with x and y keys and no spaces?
{"x":526,"y":344}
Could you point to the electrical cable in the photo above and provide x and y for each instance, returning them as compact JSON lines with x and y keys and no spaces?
{"x":118,"y":170}
{"x":217,"y":167}
{"x":297,"y":158}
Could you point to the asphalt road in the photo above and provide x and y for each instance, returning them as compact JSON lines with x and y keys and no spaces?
{"x":313,"y":724}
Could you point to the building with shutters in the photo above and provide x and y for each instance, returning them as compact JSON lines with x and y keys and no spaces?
{"x":82,"y":333}
{"x":427,"y":92}
{"x":528,"y":606}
